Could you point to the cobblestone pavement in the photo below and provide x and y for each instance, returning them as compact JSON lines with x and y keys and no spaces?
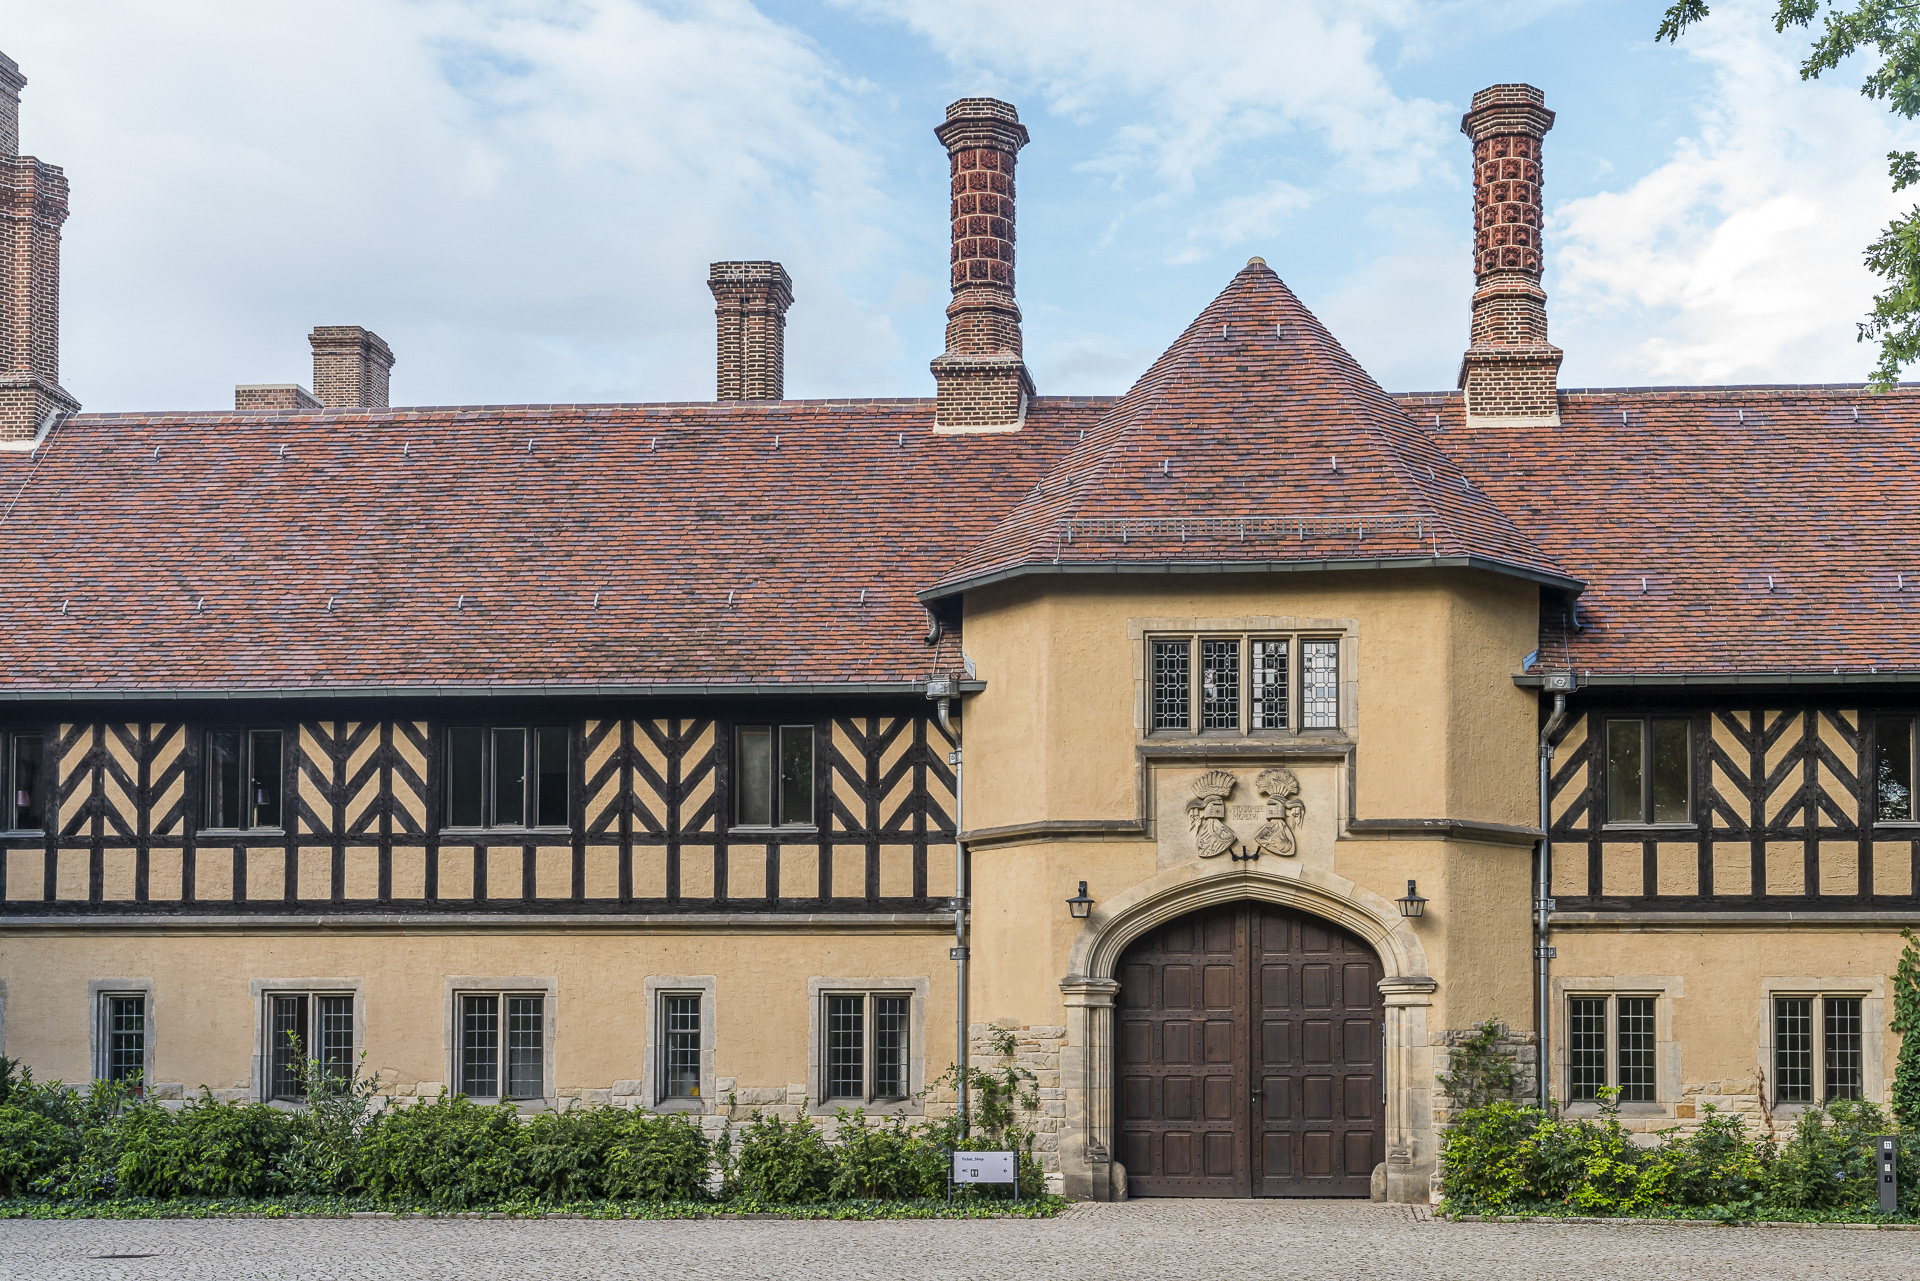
{"x":1187,"y":1240}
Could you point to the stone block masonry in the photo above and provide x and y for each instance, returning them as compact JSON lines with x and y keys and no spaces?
{"x":33,"y":208}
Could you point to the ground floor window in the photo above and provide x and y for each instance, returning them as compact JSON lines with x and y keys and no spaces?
{"x":1610,"y":1042}
{"x":679,"y":1045}
{"x":865,"y":1046}
{"x":307,"y":1028}
{"x":1817,"y":1051}
{"x":123,"y":1037}
{"x":502,"y":1045}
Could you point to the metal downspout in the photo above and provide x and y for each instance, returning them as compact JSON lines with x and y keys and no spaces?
{"x":961,"y":887}
{"x":1542,"y":903}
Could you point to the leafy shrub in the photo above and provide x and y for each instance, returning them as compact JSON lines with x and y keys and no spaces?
{"x":1828,"y":1162}
{"x":1905,"y":1095}
{"x":658,"y":1158}
{"x":449,"y":1154}
{"x":895,"y":1161}
{"x":566,"y":1153}
{"x":33,"y":1146}
{"x":782,"y":1162}
{"x":207,"y":1148}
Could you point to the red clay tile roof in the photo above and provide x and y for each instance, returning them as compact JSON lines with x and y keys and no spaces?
{"x":1718,"y":530}
{"x":1256,"y":441}
{"x":464,"y":547}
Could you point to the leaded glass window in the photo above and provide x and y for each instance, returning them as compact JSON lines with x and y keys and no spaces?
{"x":1793,"y":1049}
{"x":1171,"y":695}
{"x":867,"y":1037}
{"x":1320,"y":684}
{"x":1219,"y":684}
{"x":1635,"y":1041}
{"x":502,"y":1044}
{"x":1587,"y":1047}
{"x":846,"y":1047}
{"x":123,"y":1037}
{"x":291,"y":1018}
{"x":1269,"y":676}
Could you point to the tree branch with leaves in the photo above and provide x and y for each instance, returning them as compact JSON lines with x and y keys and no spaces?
{"x":1890,"y":31}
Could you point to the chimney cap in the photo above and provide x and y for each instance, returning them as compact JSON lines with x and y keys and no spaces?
{"x":977,"y":122}
{"x":1509,"y":108}
{"x":10,"y":77}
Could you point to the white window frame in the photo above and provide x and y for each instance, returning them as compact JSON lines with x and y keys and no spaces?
{"x":261,"y":989}
{"x":98,"y":990}
{"x":1872,"y":995}
{"x":916,"y":991}
{"x":653,"y":1067}
{"x":458,"y":986}
{"x":1666,"y":989}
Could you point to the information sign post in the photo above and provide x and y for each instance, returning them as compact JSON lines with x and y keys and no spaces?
{"x":984,"y":1167}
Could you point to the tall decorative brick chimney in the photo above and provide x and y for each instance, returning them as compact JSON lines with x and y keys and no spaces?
{"x":981,"y":379}
{"x":750,"y":301}
{"x":33,"y":206}
{"x":1510,"y":371}
{"x":350,"y":367}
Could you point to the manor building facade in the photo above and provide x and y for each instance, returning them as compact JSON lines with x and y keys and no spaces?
{"x":1221,"y":753}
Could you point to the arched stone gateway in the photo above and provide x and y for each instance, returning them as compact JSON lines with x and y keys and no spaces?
{"x":1239,"y":923}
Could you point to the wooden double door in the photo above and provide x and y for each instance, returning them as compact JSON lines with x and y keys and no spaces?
{"x":1250,"y":1057}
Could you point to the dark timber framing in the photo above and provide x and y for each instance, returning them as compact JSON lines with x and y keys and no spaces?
{"x":1784,"y":811}
{"x":649,"y":780}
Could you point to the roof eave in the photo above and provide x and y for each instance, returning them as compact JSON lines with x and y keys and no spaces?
{"x":712,"y":689}
{"x":1619,"y":680}
{"x":945,"y":591}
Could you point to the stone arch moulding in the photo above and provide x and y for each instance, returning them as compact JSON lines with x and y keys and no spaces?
{"x":1090,"y":988}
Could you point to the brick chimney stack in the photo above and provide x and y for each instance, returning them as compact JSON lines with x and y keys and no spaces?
{"x":33,"y":206}
{"x":350,"y":367}
{"x":750,"y":301}
{"x":1510,"y":370}
{"x":982,"y":378}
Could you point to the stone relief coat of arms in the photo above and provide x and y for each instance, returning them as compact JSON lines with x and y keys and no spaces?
{"x":1207,"y":815}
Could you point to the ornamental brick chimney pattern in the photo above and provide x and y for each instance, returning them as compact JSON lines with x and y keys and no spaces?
{"x":981,"y":379}
{"x":350,"y":367}
{"x":1510,"y":369}
{"x":750,"y":301}
{"x":33,"y":207}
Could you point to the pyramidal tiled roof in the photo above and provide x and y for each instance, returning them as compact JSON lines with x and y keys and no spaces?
{"x":1256,"y":440}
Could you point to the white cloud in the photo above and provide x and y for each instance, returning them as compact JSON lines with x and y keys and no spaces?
{"x":521,"y":196}
{"x":1192,"y":82}
{"x":1738,"y":259}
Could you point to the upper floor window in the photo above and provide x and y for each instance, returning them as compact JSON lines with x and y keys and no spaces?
{"x":22,"y":775}
{"x":244,"y":778}
{"x":304,"y":1029}
{"x":1893,"y":769}
{"x":507,"y":776}
{"x":1816,"y":1048}
{"x":1246,"y":683}
{"x":1649,"y":770}
{"x":773,"y":775}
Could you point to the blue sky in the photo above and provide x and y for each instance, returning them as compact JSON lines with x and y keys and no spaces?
{"x":522,"y":195}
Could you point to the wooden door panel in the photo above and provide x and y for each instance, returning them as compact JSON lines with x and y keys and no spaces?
{"x":1219,"y":1013}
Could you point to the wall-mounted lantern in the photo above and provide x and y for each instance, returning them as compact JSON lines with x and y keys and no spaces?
{"x":1412,"y":904}
{"x":1080,"y":904}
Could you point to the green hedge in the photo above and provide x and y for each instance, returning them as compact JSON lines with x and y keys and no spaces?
{"x":1505,"y":1158}
{"x":453,"y":1154}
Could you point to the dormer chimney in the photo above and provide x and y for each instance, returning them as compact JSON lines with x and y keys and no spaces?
{"x":750,"y":301}
{"x":982,"y":378}
{"x":350,"y":367}
{"x":1510,"y":372}
{"x":33,"y":207}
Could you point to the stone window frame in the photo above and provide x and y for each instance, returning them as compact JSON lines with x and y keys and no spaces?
{"x":1142,"y":632}
{"x":459,"y":985}
{"x":1667,"y":1080}
{"x":652,"y":1067}
{"x":98,"y":990}
{"x":258,"y":990}
{"x":1872,"y":993}
{"x":917,"y":990}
